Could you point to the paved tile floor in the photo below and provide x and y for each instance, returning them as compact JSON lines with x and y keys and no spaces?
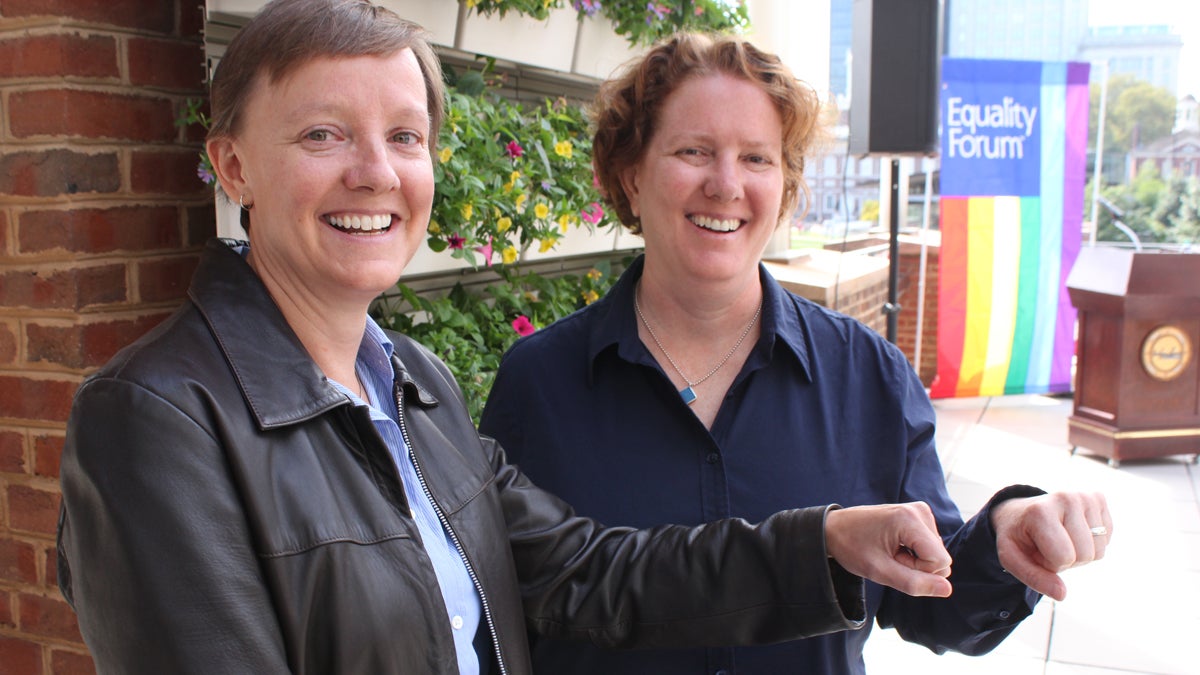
{"x":1136,"y":611}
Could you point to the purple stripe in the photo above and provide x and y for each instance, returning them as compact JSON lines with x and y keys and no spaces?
{"x":1074,"y":177}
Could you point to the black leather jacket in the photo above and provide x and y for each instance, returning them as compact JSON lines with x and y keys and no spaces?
{"x":226,"y":510}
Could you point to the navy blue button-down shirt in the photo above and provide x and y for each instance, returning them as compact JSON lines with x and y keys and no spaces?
{"x":823,"y":411}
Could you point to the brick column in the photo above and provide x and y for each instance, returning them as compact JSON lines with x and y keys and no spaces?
{"x":906,"y":333}
{"x":101,"y":219}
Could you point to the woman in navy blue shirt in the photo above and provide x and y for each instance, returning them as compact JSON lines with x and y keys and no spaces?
{"x":699,"y":389}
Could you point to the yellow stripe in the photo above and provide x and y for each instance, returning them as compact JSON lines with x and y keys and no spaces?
{"x":980,"y":229}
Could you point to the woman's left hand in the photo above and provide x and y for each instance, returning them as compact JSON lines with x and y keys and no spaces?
{"x":1038,"y":537}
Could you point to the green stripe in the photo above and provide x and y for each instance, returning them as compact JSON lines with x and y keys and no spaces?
{"x":1031,"y":234}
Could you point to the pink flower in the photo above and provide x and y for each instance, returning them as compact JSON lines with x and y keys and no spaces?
{"x":589,"y":7}
{"x":456,"y":241}
{"x":592,"y":213}
{"x":514,"y":149}
{"x":486,"y":250}
{"x":658,"y":10}
{"x":522,"y":325}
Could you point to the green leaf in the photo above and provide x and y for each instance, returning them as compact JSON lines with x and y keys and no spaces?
{"x":471,"y":83}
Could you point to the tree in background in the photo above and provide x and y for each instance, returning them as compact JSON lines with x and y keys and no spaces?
{"x":1136,"y":113}
{"x":1159,"y":210}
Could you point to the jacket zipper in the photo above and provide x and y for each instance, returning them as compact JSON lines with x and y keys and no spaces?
{"x":483,"y":600}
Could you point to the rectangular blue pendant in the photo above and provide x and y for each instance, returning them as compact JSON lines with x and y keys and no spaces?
{"x":688,"y":395}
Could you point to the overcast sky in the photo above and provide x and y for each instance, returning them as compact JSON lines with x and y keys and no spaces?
{"x":1182,"y":15}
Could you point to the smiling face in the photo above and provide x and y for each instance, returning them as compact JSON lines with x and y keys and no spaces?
{"x":709,"y":185}
{"x":334,"y":159}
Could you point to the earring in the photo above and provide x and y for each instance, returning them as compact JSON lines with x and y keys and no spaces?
{"x":242,"y":202}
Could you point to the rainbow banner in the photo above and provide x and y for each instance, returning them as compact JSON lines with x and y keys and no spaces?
{"x":1013,"y":169}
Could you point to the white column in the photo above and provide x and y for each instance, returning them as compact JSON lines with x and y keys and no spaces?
{"x":799,"y":33}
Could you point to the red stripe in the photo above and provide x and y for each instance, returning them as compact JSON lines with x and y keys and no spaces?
{"x":952,"y":296}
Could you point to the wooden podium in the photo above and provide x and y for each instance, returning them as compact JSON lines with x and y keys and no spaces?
{"x":1137,"y":385}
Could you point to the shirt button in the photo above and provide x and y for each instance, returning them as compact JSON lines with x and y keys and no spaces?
{"x":713,"y":458}
{"x":457,"y":622}
{"x":1004,"y":614}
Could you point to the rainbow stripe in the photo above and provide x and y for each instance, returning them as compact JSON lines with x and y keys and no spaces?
{"x":1011,"y":216}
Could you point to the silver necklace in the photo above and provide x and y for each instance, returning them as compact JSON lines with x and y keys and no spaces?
{"x":688,"y":393}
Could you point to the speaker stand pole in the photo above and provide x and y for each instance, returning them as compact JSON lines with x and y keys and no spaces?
{"x":892,"y":308}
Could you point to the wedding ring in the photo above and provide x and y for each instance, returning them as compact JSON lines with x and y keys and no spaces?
{"x":1099,"y":531}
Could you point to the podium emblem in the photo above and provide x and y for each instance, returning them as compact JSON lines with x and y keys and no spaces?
{"x":1166,"y":352}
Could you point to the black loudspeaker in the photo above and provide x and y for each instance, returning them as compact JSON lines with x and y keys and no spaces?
{"x":895,"y":69}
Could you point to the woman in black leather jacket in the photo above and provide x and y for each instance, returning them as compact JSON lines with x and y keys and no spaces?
{"x":269,"y":483}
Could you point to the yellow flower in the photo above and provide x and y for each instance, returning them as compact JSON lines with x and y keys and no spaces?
{"x":563,"y":221}
{"x":520,"y":202}
{"x":467,"y":210}
{"x":594,"y":274}
{"x":563,"y":149}
{"x":503,"y":224}
{"x":472,"y":3}
{"x":446,"y":154}
{"x":512,"y":181}
{"x":434,"y":228}
{"x":509,"y":254}
{"x":541,"y":210}
{"x":590,"y":296}
{"x":547,"y":244}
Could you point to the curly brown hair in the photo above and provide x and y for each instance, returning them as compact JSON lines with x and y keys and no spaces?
{"x":626,"y":109}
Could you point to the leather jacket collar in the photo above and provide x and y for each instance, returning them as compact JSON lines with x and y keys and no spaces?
{"x":281,"y":383}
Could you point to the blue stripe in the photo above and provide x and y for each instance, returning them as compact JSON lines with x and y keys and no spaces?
{"x":1053,"y":160}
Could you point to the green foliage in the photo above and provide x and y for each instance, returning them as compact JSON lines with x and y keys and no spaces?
{"x":640,"y":22}
{"x":537,"y":9}
{"x":470,"y":330}
{"x":509,"y":178}
{"x":193,"y":113}
{"x":1163,"y":211}
{"x":870,"y":211}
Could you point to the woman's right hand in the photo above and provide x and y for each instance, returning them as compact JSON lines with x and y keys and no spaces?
{"x":896,"y":545}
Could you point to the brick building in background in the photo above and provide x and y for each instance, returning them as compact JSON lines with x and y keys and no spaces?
{"x":101,"y":221}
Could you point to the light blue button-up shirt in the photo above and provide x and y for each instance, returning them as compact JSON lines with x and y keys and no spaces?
{"x":463,"y":608}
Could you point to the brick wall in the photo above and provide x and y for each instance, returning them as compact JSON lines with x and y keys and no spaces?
{"x":101,"y":218}
{"x":907,"y":296}
{"x":866,"y":305}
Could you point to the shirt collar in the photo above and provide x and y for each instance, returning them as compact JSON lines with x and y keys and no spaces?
{"x":375,"y":351}
{"x":616,"y":324}
{"x":783,"y":321}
